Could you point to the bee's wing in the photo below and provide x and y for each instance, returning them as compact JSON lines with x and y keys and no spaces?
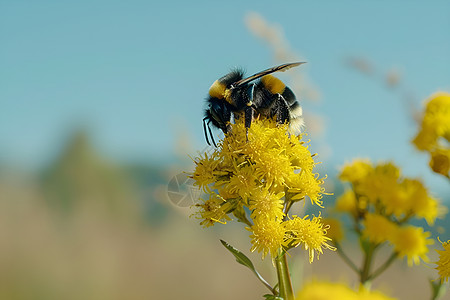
{"x":280,"y":68}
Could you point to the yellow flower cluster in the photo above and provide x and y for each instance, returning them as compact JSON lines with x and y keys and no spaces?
{"x":322,"y":290}
{"x":256,"y":174}
{"x":382,"y":190}
{"x":381,"y":202}
{"x":443,"y":265}
{"x":434,"y":133}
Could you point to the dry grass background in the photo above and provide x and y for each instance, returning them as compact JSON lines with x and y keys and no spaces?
{"x":93,"y":253}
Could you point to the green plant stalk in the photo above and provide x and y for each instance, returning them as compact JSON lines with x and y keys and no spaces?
{"x":383,"y":267}
{"x":345,"y":258}
{"x":364,"y":276}
{"x":284,"y":278}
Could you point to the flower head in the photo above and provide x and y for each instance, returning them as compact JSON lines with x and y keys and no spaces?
{"x":256,"y":174}
{"x":322,"y":290}
{"x":434,"y":132}
{"x":443,"y":264}
{"x":265,"y":204}
{"x":411,"y":242}
{"x":267,"y":236}
{"x":213,"y":210}
{"x":435,"y":122}
{"x":355,"y":171}
{"x":347,"y":202}
{"x":310,"y":233}
{"x":440,"y":161}
{"x":377,"y":228}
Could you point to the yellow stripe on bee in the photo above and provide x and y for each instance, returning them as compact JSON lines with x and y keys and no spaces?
{"x":217,"y":90}
{"x":273,"y":84}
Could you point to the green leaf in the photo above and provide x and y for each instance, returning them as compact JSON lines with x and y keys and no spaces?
{"x":437,"y":288}
{"x":245,"y":261}
{"x":240,"y":257}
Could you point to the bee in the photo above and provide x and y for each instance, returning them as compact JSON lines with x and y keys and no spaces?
{"x":258,"y":96}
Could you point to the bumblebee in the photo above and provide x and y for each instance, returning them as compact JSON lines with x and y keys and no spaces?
{"x":258,"y":96}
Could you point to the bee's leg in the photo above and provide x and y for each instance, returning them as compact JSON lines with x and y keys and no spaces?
{"x":206,"y":124}
{"x":204,"y":129}
{"x":248,"y":114}
{"x":282,"y":110}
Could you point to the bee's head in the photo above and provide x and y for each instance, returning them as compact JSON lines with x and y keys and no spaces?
{"x":218,"y":113}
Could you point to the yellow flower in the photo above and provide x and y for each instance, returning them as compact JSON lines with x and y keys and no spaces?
{"x":214,"y":210}
{"x":311,"y":233}
{"x":425,"y":139}
{"x":272,"y":166}
{"x":267,"y":236}
{"x":355,"y":171}
{"x":443,"y":264}
{"x":380,"y":183}
{"x":306,"y":184}
{"x":365,"y":294}
{"x":334,"y":231}
{"x":440,"y":161}
{"x":412,"y":242}
{"x":347,"y":203}
{"x":265,"y":204}
{"x":435,"y":122}
{"x":377,"y":228}
{"x":322,"y":290}
{"x":428,"y":208}
{"x":300,"y":156}
{"x":248,"y":175}
{"x":205,"y":169}
{"x":243,"y":182}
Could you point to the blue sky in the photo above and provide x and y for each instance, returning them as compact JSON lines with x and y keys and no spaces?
{"x":135,"y":73}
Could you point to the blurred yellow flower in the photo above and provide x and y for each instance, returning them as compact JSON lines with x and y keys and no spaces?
{"x":323,"y":290}
{"x":381,"y":182}
{"x":435,"y":122}
{"x":347,"y":202}
{"x":309,"y":233}
{"x":434,"y":133}
{"x":443,"y":264}
{"x":440,"y":161}
{"x":377,"y":228}
{"x":383,"y":191}
{"x":319,"y":290}
{"x":411,"y":242}
{"x":267,"y":236}
{"x":355,"y":171}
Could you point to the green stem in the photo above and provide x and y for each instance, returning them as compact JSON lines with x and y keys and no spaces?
{"x":284,"y":278}
{"x":383,"y":266}
{"x":346,"y":259}
{"x":364,"y":277}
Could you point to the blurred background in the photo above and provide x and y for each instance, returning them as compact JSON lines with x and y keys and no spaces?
{"x":101,"y":107}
